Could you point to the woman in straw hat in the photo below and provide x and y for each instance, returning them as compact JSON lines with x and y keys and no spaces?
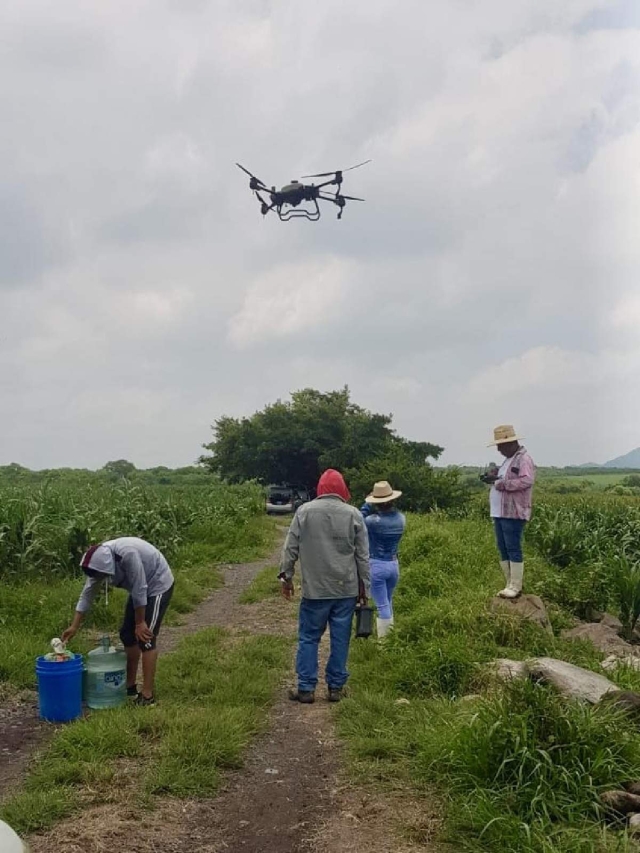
{"x":510,"y":504}
{"x":385,"y":525}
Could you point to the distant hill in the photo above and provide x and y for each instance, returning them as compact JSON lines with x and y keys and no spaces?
{"x":629,"y":460}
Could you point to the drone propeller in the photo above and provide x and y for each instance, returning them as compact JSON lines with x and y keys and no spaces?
{"x":256,"y":183}
{"x":336,"y":171}
{"x":339,"y":196}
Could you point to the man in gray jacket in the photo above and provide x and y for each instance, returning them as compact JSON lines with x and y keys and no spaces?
{"x":330,"y":539}
{"x":138,"y":567}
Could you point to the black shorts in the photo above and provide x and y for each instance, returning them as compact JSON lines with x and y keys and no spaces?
{"x":154,"y":614}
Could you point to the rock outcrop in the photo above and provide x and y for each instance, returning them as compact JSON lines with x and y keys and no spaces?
{"x":604,"y":637}
{"x":530,"y":607}
{"x":571,"y":681}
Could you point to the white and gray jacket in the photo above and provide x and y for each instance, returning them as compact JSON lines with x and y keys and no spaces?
{"x":129,"y":563}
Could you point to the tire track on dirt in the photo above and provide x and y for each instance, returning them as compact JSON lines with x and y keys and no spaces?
{"x":22,"y":732}
{"x":290,"y":796}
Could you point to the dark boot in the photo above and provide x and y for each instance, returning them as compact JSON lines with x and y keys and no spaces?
{"x":305,"y":697}
{"x":335,"y":694}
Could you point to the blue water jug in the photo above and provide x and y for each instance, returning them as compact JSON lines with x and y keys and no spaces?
{"x":59,"y":688}
{"x":106,"y":676}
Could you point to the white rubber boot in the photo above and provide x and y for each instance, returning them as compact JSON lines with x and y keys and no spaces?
{"x":505,"y":565}
{"x":382,"y":627}
{"x":515,"y":587}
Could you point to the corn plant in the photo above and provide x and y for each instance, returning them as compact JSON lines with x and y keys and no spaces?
{"x":626,"y":572}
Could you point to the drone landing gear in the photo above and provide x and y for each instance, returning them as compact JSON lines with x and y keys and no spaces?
{"x":311,"y":215}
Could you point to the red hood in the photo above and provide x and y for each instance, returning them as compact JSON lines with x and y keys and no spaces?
{"x":332,"y":483}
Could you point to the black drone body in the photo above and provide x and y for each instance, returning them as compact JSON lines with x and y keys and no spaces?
{"x":286,"y":200}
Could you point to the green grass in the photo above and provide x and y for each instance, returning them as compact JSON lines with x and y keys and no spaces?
{"x":214,"y":695}
{"x":36,"y":610}
{"x":516,"y":769}
{"x":594,"y":480}
{"x":264,"y":586}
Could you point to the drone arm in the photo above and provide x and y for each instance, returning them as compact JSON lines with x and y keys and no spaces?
{"x":332,"y":183}
{"x":338,"y":200}
{"x":264,"y":207}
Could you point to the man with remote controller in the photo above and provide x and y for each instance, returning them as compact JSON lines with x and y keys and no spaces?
{"x":510,"y":504}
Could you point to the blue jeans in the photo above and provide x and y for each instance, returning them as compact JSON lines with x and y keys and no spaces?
{"x":509,"y":538}
{"x":315,"y":615}
{"x":384,"y":579}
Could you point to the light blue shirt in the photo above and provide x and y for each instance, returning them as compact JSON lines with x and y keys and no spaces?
{"x":385,"y":531}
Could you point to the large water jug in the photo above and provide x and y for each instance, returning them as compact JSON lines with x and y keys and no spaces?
{"x":106,"y":676}
{"x":59,"y":688}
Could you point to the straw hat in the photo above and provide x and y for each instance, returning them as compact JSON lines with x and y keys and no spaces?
{"x":503,"y":435}
{"x":382,"y":493}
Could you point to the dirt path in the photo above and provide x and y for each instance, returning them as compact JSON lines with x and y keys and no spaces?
{"x":291,"y":795}
{"x":22,"y":731}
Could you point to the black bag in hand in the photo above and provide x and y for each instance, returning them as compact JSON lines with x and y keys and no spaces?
{"x":364,"y":621}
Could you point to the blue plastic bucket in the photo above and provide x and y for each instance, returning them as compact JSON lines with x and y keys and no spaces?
{"x":60,"y":689}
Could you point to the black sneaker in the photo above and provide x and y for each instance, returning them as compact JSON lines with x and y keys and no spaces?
{"x":335,"y":694}
{"x":132,"y":691}
{"x":305,"y":697}
{"x":142,"y":700}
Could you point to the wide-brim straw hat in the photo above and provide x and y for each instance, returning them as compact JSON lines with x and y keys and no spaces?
{"x":504,"y":434}
{"x":382,"y":493}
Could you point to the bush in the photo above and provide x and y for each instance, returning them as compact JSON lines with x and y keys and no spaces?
{"x":423,"y":487}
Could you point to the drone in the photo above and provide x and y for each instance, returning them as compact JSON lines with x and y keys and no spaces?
{"x":286,"y":200}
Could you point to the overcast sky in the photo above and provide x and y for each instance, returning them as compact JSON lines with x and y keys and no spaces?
{"x":493,"y":274}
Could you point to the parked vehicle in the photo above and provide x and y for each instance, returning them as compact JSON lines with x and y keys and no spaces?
{"x":283,"y":499}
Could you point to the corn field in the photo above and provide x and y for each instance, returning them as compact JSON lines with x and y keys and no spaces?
{"x":44,"y":530}
{"x":592,"y":544}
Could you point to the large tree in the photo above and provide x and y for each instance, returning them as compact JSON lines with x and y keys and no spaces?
{"x":293,"y":442}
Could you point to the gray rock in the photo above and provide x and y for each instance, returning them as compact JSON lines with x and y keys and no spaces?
{"x":603,"y":637}
{"x":623,"y":700}
{"x":613,"y":662}
{"x":634,"y":825}
{"x":621,"y":802}
{"x":632,"y":788}
{"x":507,"y":670}
{"x":611,"y":622}
{"x":572,"y":681}
{"x":530,"y":607}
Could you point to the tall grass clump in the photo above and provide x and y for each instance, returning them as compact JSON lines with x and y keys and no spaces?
{"x":515,"y":768}
{"x":525,"y":763}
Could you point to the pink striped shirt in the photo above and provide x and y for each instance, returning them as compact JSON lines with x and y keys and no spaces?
{"x":517,"y":487}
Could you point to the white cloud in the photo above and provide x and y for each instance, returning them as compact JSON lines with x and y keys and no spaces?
{"x":289,"y":300}
{"x":492,"y":271}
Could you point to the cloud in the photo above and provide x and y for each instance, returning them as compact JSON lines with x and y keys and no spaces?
{"x":289,"y":300}
{"x":490,"y":276}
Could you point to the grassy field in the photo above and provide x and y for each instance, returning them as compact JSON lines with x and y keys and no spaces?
{"x":215,"y":696}
{"x":511,"y":768}
{"x":43,"y":531}
{"x":514,"y":769}
{"x":215,"y":690}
